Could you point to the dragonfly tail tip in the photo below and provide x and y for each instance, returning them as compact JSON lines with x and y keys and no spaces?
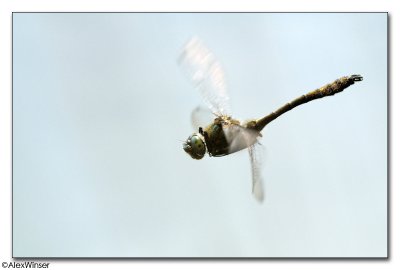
{"x":356,"y":78}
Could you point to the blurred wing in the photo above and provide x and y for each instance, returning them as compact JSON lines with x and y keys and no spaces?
{"x":239,"y":137}
{"x":201,"y":117}
{"x":203,"y":69}
{"x":255,"y":152}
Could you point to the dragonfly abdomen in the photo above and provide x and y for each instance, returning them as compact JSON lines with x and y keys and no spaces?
{"x":328,"y":90}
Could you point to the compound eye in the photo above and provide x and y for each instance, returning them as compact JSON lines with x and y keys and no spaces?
{"x":195,"y":146}
{"x":197,"y":143}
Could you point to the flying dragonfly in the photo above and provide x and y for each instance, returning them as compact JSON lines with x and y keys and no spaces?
{"x":226,"y":135}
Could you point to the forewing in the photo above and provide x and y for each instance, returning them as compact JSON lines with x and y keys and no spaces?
{"x":203,"y":69}
{"x":255,"y":152}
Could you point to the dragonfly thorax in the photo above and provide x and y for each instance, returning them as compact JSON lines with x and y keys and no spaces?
{"x":195,"y":146}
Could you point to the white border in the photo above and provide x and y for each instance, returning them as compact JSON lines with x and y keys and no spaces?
{"x":6,"y":9}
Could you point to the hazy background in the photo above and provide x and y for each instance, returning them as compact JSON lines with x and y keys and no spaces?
{"x":100,"y":107}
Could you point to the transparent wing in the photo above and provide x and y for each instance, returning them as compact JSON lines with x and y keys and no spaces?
{"x":239,"y":137}
{"x":255,"y":152}
{"x":203,"y":69}
{"x":201,"y":117}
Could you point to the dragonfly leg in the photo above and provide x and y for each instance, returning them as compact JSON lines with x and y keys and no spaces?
{"x":205,"y":135}
{"x":206,"y":139}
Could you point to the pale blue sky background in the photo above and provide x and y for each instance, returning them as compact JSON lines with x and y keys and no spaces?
{"x":100,"y":107}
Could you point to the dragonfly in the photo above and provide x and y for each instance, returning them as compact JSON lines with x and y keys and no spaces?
{"x":226,"y":135}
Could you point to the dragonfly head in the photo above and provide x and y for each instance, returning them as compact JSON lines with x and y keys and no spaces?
{"x":195,"y":146}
